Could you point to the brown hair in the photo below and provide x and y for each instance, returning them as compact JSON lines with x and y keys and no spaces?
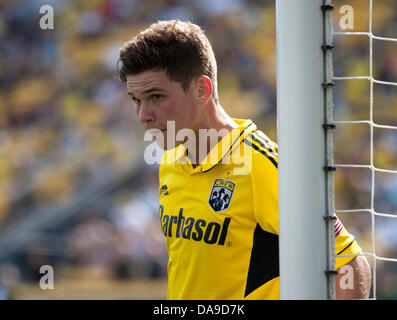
{"x":181,"y":49}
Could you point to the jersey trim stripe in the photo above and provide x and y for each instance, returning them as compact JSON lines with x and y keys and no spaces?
{"x":261,"y":151}
{"x":346,"y":247}
{"x":264,"y":143}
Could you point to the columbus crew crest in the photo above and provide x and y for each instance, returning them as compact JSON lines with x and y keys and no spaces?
{"x":221,"y":194}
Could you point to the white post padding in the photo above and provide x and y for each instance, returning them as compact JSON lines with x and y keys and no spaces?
{"x":300,"y":116}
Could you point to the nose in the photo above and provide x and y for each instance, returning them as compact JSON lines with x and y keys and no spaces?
{"x":144,"y":113}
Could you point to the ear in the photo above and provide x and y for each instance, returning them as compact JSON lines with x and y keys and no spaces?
{"x":204,"y":89}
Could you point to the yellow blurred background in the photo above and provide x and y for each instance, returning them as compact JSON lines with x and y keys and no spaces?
{"x":75,"y":192}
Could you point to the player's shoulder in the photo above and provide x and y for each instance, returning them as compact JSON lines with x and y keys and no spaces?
{"x":171,"y":156}
{"x":167,"y":162}
{"x":262,"y":149}
{"x":165,"y":159}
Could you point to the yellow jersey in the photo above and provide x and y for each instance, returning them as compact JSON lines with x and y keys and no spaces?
{"x":220,"y":219}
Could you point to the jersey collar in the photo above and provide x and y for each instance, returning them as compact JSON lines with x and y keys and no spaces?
{"x":224,"y":147}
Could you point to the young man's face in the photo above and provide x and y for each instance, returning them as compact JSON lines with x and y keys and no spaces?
{"x":158,"y":99}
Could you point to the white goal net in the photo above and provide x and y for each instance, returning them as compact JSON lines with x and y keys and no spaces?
{"x":336,"y":110}
{"x":365,"y":103}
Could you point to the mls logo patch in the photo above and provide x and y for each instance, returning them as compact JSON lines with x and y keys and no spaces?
{"x":221,"y":194}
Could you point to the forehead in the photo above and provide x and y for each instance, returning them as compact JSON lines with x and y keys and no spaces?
{"x":141,"y":82}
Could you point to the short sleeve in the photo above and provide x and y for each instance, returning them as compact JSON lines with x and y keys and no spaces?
{"x":345,"y":244}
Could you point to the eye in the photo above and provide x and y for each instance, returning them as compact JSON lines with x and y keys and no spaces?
{"x":137,"y":101}
{"x":156,"y":97}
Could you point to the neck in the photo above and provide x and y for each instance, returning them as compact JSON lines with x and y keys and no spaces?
{"x":216,"y":124}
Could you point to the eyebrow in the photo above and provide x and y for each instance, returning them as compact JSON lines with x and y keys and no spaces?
{"x":147,"y":91}
{"x":151,"y":90}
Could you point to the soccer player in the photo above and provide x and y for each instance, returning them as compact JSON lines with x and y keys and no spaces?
{"x":218,"y":197}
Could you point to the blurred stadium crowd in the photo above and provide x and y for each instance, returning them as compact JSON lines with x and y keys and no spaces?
{"x":74,"y":189}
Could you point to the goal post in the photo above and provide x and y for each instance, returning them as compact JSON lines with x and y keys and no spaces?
{"x":304,"y":105}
